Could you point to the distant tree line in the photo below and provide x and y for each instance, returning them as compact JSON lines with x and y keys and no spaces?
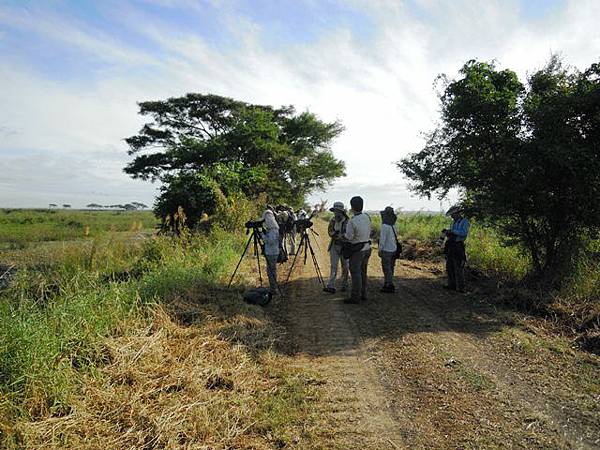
{"x":133,"y":206}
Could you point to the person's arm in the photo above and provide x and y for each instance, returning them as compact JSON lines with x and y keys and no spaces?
{"x":330,"y":228}
{"x":349,"y":235}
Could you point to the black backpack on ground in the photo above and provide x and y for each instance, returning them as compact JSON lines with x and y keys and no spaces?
{"x":258,"y":296}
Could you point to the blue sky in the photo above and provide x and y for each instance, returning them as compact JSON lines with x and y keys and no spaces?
{"x":71,"y":72}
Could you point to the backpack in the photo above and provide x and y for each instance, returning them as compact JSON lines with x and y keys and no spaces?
{"x":258,"y":296}
{"x":398,"y":252}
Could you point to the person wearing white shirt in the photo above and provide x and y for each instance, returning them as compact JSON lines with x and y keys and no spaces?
{"x":358,"y":233}
{"x":270,"y":238}
{"x":387,"y":248}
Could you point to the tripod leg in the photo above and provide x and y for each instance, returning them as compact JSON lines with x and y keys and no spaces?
{"x":298,"y":252}
{"x":257,"y":255}
{"x":316,"y":264}
{"x":240,"y":261}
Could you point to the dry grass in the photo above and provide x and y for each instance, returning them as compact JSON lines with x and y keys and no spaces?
{"x":186,"y":386}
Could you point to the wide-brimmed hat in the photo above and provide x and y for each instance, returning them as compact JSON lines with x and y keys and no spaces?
{"x":454,"y":210}
{"x":388,"y":211}
{"x":338,"y":207}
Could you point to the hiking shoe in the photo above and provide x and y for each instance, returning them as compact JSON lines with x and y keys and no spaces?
{"x":344,"y":288}
{"x":351,"y":301}
{"x":329,"y":290}
{"x":449,"y":288}
{"x":387,"y":289}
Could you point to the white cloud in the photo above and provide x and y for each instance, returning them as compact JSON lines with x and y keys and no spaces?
{"x":380,"y":87}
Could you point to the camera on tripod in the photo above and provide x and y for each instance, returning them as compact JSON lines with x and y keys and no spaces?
{"x":303,"y":224}
{"x":255,"y":225}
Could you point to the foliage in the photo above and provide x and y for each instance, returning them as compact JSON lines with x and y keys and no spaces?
{"x":525,"y":157}
{"x":207,"y":143}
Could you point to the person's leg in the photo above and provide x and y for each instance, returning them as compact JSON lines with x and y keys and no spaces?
{"x":383,"y":268}
{"x":355,"y":264}
{"x":460,"y":275}
{"x":272,"y":272}
{"x":387,"y":261}
{"x":292,"y":242}
{"x":344,"y":262}
{"x":450,"y":271}
{"x":333,"y":260}
{"x":392,"y":270}
{"x":364,"y":265}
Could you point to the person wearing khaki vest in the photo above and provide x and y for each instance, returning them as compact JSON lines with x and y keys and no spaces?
{"x":336,"y":231}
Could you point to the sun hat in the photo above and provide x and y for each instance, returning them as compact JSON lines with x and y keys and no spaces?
{"x":338,"y":207}
{"x":454,"y":209}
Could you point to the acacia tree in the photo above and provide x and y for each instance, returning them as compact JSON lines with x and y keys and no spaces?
{"x":524,"y":156}
{"x":198,"y":145}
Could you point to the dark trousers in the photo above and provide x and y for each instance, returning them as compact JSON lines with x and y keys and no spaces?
{"x":359,"y":263}
{"x":388,"y":262}
{"x":272,"y":272}
{"x":455,"y":265}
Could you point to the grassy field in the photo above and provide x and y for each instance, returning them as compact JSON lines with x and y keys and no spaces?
{"x":131,"y":343}
{"x":22,"y":227}
{"x":121,"y":342}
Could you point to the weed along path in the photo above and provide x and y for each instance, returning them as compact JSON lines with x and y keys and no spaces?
{"x":424,"y":368}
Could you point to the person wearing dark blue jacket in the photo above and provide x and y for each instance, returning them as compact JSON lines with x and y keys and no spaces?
{"x":456,"y":256}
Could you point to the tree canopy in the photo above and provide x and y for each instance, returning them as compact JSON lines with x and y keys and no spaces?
{"x":524,"y":155}
{"x":210,"y":142}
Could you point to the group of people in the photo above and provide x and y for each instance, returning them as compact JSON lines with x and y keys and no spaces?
{"x":350,"y":246}
{"x":279,"y":238}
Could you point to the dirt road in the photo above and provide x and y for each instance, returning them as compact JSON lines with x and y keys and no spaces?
{"x":425,"y":368}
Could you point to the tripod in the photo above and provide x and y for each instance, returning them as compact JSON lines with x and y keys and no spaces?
{"x":257,"y":244}
{"x":306,"y":246}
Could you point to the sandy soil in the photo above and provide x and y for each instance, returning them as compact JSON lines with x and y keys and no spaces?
{"x":426,"y":368}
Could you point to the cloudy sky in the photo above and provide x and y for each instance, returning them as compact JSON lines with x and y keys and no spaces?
{"x":71,"y":73}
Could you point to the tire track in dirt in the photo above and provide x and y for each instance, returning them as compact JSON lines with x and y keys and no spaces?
{"x":514,"y":383}
{"x":461,"y":391}
{"x":325,"y":340}
{"x":422,"y":368}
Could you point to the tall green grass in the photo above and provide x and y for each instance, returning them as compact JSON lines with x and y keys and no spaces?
{"x":55,"y":316}
{"x":485,"y":248}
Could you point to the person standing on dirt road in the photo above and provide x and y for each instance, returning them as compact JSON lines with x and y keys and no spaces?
{"x":291,"y":230}
{"x":454,"y":249}
{"x":336,"y":231}
{"x":358,"y":233}
{"x":270,"y":238}
{"x":387,"y":248}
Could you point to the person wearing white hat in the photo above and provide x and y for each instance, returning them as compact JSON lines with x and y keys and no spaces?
{"x":270,"y":238}
{"x":336,"y":231}
{"x":456,"y":256}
